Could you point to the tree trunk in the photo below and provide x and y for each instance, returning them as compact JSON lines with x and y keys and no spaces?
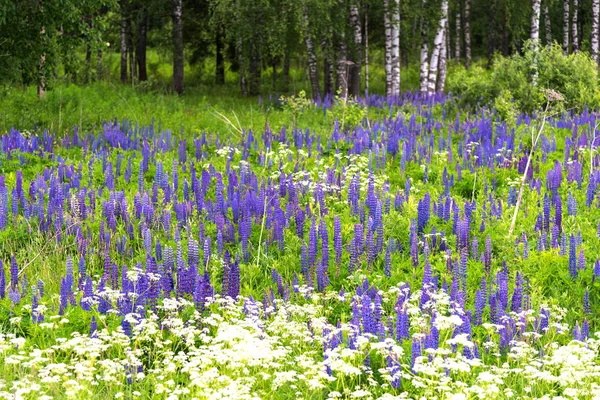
{"x":357,"y":66}
{"x":395,"y":22}
{"x":565,"y":44}
{"x":441,"y":79}
{"x":535,"y":23}
{"x":341,"y":75}
{"x":467,"y":33}
{"x":327,"y":69}
{"x":424,"y":55}
{"x":595,"y":28}
{"x":130,"y":50}
{"x":242,"y":66}
{"x":388,"y":47}
{"x":88,"y":63}
{"x":458,"y":37}
{"x":548,"y":25}
{"x":437,"y":46}
{"x":574,"y":27}
{"x":140,"y":52}
{"x":178,"y":46}
{"x":123,"y":45}
{"x":219,"y":58}
{"x":313,"y":72}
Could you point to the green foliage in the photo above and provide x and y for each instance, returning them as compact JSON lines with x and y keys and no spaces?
{"x":348,"y":112}
{"x":512,"y":79}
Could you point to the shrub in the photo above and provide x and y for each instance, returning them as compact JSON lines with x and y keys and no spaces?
{"x":574,"y":76}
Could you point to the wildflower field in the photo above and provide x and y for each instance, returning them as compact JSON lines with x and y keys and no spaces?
{"x":423,"y":252}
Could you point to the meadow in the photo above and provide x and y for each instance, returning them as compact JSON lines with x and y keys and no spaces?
{"x":215,"y":247}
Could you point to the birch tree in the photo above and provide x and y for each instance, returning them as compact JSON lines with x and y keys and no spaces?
{"x":575,"y":28}
{"x":437,"y":46}
{"x":424,"y":54}
{"x":595,"y":28}
{"x":565,"y":43}
{"x":313,"y":72}
{"x":547,"y":24}
{"x":355,"y":71}
{"x":535,"y":23}
{"x":395,"y":47}
{"x":341,"y":75}
{"x":458,"y":33}
{"x":467,"y":32}
{"x":441,"y":79}
{"x":388,"y":47}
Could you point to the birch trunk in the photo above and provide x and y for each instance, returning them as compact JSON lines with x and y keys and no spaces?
{"x":242,"y":66}
{"x":595,"y":28}
{"x":327,"y":68}
{"x":123,"y":47}
{"x":395,"y":49}
{"x":565,"y":43}
{"x":574,"y":28}
{"x":467,"y":33}
{"x":535,"y":23}
{"x":178,"y":46}
{"x":313,"y":72}
{"x":458,"y":37}
{"x":441,"y":79}
{"x":388,"y":48}
{"x":341,"y":73}
{"x":547,"y":25}
{"x":437,"y":46}
{"x":356,"y":68}
{"x":424,"y":55}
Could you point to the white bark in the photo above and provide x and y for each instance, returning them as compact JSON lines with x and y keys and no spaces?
{"x":313,"y":72}
{"x":395,"y":49}
{"x":535,"y":23}
{"x":355,"y":79}
{"x":437,"y":45}
{"x":441,"y":79}
{"x":458,"y":37}
{"x":595,"y":28}
{"x":565,"y":43}
{"x":468,"y":32}
{"x":574,"y":28}
{"x":424,"y":55}
{"x":388,"y":48}
{"x":547,"y":25}
{"x":341,"y":79}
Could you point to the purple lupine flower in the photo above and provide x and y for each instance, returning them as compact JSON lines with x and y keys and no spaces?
{"x":416,"y":351}
{"x":93,"y":328}
{"x":585,"y":330}
{"x":587,"y":308}
{"x":423,"y":213}
{"x":479,"y":305}
{"x":312,"y":244}
{"x":337,"y":239}
{"x":572,"y":258}
{"x":571,"y":205}
{"x":2,"y":281}
{"x":581,"y":261}
{"x":234,"y":280}
{"x":577,"y":333}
